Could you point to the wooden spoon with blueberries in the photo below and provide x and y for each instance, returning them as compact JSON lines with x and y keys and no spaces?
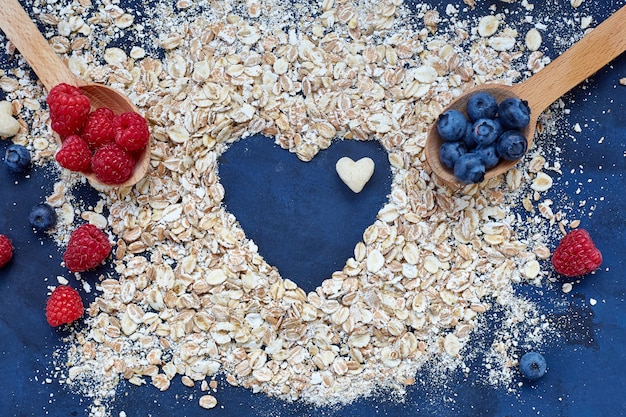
{"x":52,"y":71}
{"x":450,"y":139}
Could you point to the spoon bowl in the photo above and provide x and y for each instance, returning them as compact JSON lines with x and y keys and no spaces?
{"x":51,"y":70}
{"x":595,"y":50}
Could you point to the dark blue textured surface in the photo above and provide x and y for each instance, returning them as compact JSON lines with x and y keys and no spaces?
{"x":586,"y":376}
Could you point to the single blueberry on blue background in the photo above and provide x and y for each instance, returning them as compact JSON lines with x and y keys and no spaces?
{"x":512,"y":145}
{"x":42,"y":217}
{"x":17,"y":158}
{"x":481,"y":105}
{"x":514,"y":113}
{"x":451,"y":125}
{"x":532,"y":365}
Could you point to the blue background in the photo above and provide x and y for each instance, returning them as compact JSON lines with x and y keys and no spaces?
{"x":587,"y":366}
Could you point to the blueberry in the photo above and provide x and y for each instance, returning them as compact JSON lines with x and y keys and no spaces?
{"x":468,"y":137}
{"x":481,"y":105}
{"x":488,"y":154}
{"x":449,"y":152}
{"x":451,"y":125}
{"x":512,"y":145}
{"x":42,"y":217}
{"x":514,"y":113}
{"x":469,"y":169}
{"x":17,"y":158}
{"x":486,"y":131}
{"x":532,"y":365}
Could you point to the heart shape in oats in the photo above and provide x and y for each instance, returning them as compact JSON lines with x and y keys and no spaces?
{"x":303,"y":218}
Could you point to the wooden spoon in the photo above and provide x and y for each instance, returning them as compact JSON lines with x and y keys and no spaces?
{"x":599,"y":47}
{"x":24,"y":34}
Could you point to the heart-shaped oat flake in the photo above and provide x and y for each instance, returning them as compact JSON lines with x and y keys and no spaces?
{"x":355,"y":174}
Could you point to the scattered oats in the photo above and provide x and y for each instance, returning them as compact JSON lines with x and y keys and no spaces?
{"x":207,"y":401}
{"x":114,"y":56}
{"x":502,"y":43}
{"x":137,"y":52}
{"x":178,"y":134}
{"x":533,"y":39}
{"x":216,"y":277}
{"x":566,"y":287}
{"x":124,"y":21}
{"x":531,"y":269}
{"x":375,"y":261}
{"x":8,"y":125}
{"x":577,"y":128}
{"x":576,"y":3}
{"x":488,"y":25}
{"x":281,"y":66}
{"x":425,"y":74}
{"x":451,"y":344}
{"x":542,"y":182}
{"x":186,"y":279}
{"x":585,"y":22}
{"x":593,"y":301}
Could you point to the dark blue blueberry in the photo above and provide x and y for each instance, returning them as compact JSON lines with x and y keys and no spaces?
{"x":481,"y":105}
{"x":469,"y":169}
{"x":451,"y":125}
{"x":486,"y":131}
{"x":42,"y":217}
{"x":449,"y":152}
{"x":514,"y":113}
{"x":17,"y":158}
{"x":512,"y":145}
{"x":532,"y":365}
{"x":488,"y":154}
{"x":468,"y":137}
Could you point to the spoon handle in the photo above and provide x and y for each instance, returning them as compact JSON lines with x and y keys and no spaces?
{"x":24,"y":34}
{"x":595,"y":50}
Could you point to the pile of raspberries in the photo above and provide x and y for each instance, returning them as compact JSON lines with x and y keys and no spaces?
{"x":96,"y":141}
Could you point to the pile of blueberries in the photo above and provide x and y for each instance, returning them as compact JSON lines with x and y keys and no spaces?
{"x":491,"y":132}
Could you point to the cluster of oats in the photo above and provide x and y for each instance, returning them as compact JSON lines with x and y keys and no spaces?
{"x":191,"y":295}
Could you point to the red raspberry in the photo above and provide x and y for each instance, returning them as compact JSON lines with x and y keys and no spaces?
{"x":112,"y":164}
{"x":64,"y":306}
{"x":74,"y":155}
{"x":98,"y":128}
{"x":6,"y":250}
{"x":87,"y":248}
{"x":576,"y":254}
{"x":131,"y":131}
{"x":69,"y":109}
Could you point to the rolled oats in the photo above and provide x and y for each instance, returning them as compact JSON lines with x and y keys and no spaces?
{"x":188,"y":281}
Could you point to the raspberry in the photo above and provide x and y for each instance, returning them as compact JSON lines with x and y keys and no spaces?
{"x":112,"y":164}
{"x":576,"y":254}
{"x":69,"y":109}
{"x":74,"y":154}
{"x":131,"y":131}
{"x":6,"y":250}
{"x":64,"y":306}
{"x":87,"y":248}
{"x":98,"y":128}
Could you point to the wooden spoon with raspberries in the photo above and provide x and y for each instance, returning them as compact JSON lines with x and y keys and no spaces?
{"x":53,"y":72}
